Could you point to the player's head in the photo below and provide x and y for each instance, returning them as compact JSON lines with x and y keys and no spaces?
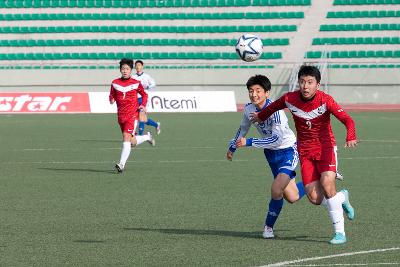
{"x":309,"y":81}
{"x":139,"y":66}
{"x":259,"y":87}
{"x":125,"y":67}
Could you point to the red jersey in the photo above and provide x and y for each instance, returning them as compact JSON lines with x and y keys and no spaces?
{"x":125,"y":94}
{"x":312,"y":121}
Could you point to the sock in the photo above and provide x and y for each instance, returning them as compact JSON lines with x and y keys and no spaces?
{"x":141,"y":127}
{"x":151,"y":123}
{"x":126,"y":150}
{"x":336,"y":212}
{"x":324,"y":203}
{"x":142,"y":138}
{"x":275,"y":207}
{"x":300,"y":187}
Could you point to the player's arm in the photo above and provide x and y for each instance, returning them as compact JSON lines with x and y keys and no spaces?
{"x":269,"y":110}
{"x":274,"y":140}
{"x":111,"y":97}
{"x":344,"y":117}
{"x":144,"y":95}
{"x":241,"y":132}
{"x":151,"y":83}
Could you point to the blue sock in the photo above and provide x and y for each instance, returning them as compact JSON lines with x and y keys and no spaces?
{"x":151,"y":123}
{"x":275,"y":207}
{"x":301,"y":189}
{"x":141,"y":127}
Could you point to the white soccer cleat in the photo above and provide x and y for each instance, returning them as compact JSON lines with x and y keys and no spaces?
{"x":151,"y":140}
{"x":268,"y":232}
{"x":158,"y":128}
{"x":119,"y":167}
{"x":339,"y":176}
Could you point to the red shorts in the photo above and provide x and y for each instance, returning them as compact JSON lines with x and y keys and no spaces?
{"x":128,"y":125}
{"x":312,"y":167}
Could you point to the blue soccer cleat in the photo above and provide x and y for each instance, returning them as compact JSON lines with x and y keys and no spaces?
{"x":338,"y":239}
{"x":348,"y":209}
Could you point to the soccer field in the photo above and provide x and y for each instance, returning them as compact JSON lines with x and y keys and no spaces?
{"x":181,"y":203}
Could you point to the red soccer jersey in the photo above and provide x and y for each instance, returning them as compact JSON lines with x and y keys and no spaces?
{"x":312,"y":121}
{"x":124,"y":92}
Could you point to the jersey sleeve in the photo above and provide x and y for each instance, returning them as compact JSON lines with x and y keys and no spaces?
{"x":274,"y":140}
{"x":112,"y":93}
{"x":273,"y":107}
{"x":343,"y":117}
{"x":143,"y":93}
{"x":241,"y":132}
{"x":151,"y":83}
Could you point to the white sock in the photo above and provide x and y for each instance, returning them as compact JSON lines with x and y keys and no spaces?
{"x":336,"y":212}
{"x":142,"y":138}
{"x":126,"y":150}
{"x":324,"y":203}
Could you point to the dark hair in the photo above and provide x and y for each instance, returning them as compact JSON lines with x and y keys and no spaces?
{"x":309,"y":71}
{"x":126,"y":61}
{"x":261,"y":80}
{"x":139,"y":61}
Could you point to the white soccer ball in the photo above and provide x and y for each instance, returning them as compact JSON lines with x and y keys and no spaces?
{"x":249,"y":47}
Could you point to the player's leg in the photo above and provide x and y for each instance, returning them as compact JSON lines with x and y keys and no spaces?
{"x":126,"y":150}
{"x":156,"y":125}
{"x":139,"y":139}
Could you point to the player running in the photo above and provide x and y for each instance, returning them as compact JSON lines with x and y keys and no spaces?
{"x":279,"y":144}
{"x":124,"y":92}
{"x":311,"y":110}
{"x":148,"y":84}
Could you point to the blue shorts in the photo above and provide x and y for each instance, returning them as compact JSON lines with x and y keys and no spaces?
{"x":139,"y":101}
{"x":282,"y":160}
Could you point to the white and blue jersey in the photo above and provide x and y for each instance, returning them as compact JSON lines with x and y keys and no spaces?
{"x":147,"y":82}
{"x":277,"y":139}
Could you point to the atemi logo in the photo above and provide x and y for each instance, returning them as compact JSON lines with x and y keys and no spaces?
{"x":162,"y":103}
{"x":44,"y":102}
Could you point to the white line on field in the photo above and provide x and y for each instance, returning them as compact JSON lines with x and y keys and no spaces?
{"x":285,"y":263}
{"x":347,"y":264}
{"x":169,"y":161}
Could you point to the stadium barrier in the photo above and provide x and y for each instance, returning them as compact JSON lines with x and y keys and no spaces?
{"x":97,"y":102}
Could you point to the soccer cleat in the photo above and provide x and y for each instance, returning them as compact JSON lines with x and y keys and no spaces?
{"x":339,"y":176}
{"x":151,"y":140}
{"x":268,"y":232}
{"x":158,"y":128}
{"x":348,"y":209}
{"x":119,"y":167}
{"x":339,"y":238}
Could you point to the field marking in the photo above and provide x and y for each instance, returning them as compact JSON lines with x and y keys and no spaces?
{"x":285,"y":263}
{"x":347,"y":264}
{"x":169,"y":161}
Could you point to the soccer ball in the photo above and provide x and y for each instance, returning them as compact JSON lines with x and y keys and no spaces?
{"x":249,"y":47}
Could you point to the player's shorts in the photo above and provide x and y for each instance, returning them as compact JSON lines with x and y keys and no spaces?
{"x":128,"y":125}
{"x":312,"y":168}
{"x":282,"y":160}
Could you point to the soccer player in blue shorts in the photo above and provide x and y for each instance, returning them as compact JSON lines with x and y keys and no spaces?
{"x":279,"y":144}
{"x":148,"y":84}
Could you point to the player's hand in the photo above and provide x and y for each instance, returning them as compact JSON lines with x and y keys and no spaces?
{"x":229,"y":155}
{"x":241,"y":142}
{"x":351,"y":143}
{"x":112,"y":101}
{"x":254,"y":117}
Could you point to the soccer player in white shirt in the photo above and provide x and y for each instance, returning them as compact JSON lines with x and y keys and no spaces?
{"x":279,"y":144}
{"x":148,"y":84}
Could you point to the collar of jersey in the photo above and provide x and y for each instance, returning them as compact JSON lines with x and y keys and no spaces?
{"x":267,"y":102}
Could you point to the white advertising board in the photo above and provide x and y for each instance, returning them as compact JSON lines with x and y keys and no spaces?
{"x":173,"y":101}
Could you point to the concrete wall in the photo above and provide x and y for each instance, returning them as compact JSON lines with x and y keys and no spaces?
{"x":347,"y":86}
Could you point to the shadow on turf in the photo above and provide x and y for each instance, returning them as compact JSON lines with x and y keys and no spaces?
{"x":78,"y":170}
{"x":100,"y":141}
{"x":256,"y":235}
{"x":88,"y":241}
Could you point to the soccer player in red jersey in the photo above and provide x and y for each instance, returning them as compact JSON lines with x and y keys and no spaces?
{"x":311,"y":110}
{"x":124,"y":92}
